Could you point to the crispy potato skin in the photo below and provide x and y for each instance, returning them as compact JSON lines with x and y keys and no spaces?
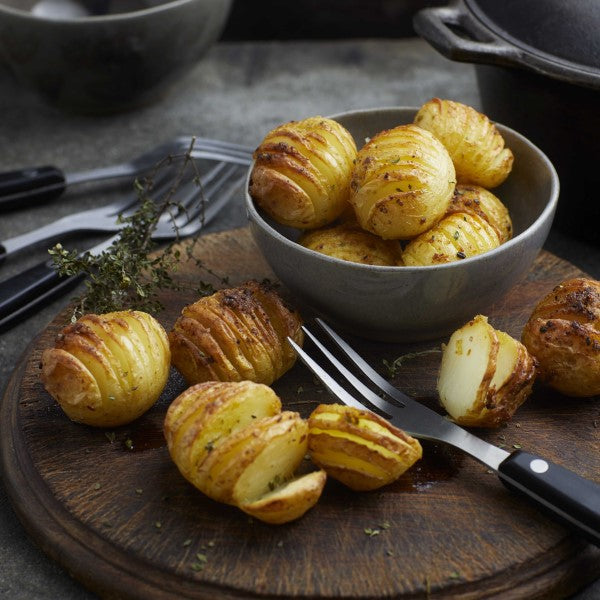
{"x":301,"y":174}
{"x":359,"y":448}
{"x":563,"y":333}
{"x":234,"y":335}
{"x":475,"y":200}
{"x":457,"y":236}
{"x":107,"y":370}
{"x":350,"y":242}
{"x":474,"y":143}
{"x":402,"y":183}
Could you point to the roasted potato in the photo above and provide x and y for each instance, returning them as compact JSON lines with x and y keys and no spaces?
{"x":402,"y":183}
{"x":351,"y":243}
{"x":476,"y":146}
{"x":456,"y":237}
{"x":563,"y":333}
{"x":301,"y":173}
{"x":107,"y":370}
{"x":485,"y":375}
{"x":359,"y":448}
{"x":234,"y":335}
{"x":476,"y":200}
{"x":233,"y":443}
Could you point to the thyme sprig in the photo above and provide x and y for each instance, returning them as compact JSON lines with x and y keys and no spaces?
{"x":130,"y":273}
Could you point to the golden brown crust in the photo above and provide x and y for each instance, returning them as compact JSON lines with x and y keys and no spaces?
{"x":301,"y":172}
{"x":107,"y":370}
{"x":236,"y":334}
{"x":402,"y":183}
{"x":476,"y":146}
{"x":563,"y":333}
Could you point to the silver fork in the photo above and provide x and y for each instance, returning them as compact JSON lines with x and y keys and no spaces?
{"x":104,"y":218}
{"x":21,"y":294}
{"x":31,"y":185}
{"x":567,"y":496}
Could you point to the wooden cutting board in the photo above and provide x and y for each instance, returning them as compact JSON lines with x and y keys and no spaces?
{"x":114,"y":511}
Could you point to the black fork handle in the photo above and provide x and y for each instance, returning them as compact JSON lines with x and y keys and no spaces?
{"x":21,"y":294}
{"x":25,"y":187}
{"x":572,"y":499}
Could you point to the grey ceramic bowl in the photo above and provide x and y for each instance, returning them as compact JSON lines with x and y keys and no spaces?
{"x":409,"y":304}
{"x":111,"y":62}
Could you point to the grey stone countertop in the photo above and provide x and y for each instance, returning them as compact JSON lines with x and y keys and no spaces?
{"x":237,"y":93}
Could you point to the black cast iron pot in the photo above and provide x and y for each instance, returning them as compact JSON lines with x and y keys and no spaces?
{"x":538,"y":71}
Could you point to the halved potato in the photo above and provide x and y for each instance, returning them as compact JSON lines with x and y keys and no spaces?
{"x":351,"y":243}
{"x":476,"y":200}
{"x":107,"y":370}
{"x":301,"y":173}
{"x":402,"y":183}
{"x":290,"y":501}
{"x":474,"y":143}
{"x":563,"y":333}
{"x":456,"y":237}
{"x":234,"y":335}
{"x":204,"y":415}
{"x":485,"y":375}
{"x":359,"y":448}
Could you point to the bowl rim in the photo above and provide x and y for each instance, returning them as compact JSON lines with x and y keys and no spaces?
{"x":123,"y":16}
{"x":546,"y":215}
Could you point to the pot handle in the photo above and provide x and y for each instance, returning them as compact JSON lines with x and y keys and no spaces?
{"x":439,"y":26}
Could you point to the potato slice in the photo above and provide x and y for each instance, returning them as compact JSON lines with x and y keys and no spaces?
{"x":456,"y":237}
{"x":289,"y":501}
{"x":485,"y":375}
{"x":204,"y":415}
{"x":107,"y":370}
{"x":359,"y":448}
{"x":474,"y":199}
{"x":474,"y":143}
{"x":563,"y":333}
{"x":301,"y":174}
{"x":254,"y":459}
{"x":402,"y":183}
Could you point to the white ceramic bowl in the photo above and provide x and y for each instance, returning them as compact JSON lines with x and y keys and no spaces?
{"x":107,"y":62}
{"x":410,"y":304}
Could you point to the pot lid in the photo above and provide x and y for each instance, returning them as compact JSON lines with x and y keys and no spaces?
{"x":565,"y":31}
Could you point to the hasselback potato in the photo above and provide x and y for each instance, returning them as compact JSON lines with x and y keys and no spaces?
{"x":107,"y":370}
{"x":301,"y":173}
{"x":402,"y":183}
{"x":235,"y":334}
{"x":476,"y":146}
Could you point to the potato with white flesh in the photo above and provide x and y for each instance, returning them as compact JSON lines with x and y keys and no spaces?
{"x":456,"y":237}
{"x":563,"y":333}
{"x":107,"y":370}
{"x":351,"y":243}
{"x":359,"y":448}
{"x":476,"y":200}
{"x":232,"y":441}
{"x":301,"y":174}
{"x":485,"y":375}
{"x":236,"y":334}
{"x":474,"y":143}
{"x":402,"y":183}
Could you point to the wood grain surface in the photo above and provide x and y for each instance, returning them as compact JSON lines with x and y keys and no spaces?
{"x":111,"y":507}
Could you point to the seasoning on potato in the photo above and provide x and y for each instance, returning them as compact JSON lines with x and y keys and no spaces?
{"x":359,"y":448}
{"x":236,"y":334}
{"x":232,"y":441}
{"x":107,"y":370}
{"x":474,"y":143}
{"x":301,"y":173}
{"x":350,"y":242}
{"x":563,"y":333}
{"x":402,"y":183}
{"x":485,"y":375}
